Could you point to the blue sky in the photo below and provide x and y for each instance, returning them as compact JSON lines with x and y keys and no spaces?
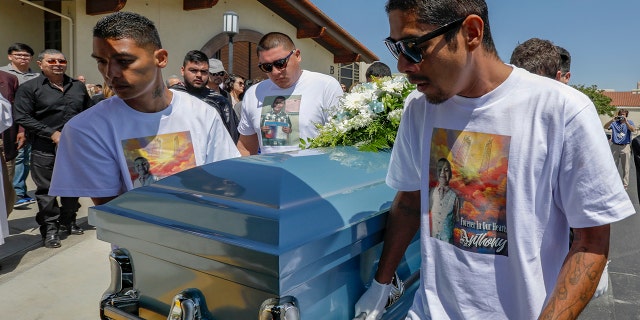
{"x":602,"y":36}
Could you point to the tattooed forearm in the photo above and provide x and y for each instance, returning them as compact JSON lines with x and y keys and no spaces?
{"x":580,"y":274}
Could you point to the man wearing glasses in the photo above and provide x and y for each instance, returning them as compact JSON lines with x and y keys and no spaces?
{"x":509,"y":136}
{"x":307,"y":95}
{"x":217,"y":75}
{"x":19,"y":55}
{"x":43,"y":106}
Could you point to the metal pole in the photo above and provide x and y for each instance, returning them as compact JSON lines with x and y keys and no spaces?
{"x":72,"y":55}
{"x":230,"y":54}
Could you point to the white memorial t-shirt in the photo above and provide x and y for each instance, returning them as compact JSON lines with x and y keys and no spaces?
{"x":306,"y":104}
{"x":100,"y":147}
{"x":528,"y":161}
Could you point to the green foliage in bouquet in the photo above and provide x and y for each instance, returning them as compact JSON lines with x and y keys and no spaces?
{"x":367,"y":117}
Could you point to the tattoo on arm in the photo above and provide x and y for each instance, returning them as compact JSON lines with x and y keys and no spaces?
{"x":578,"y":278}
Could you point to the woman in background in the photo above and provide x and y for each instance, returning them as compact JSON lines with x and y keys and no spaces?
{"x":235,"y":86}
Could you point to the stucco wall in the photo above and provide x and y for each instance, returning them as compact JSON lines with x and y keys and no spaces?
{"x":20,"y":23}
{"x":181,"y":31}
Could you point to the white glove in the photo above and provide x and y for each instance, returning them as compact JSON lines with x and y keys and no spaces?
{"x":603,"y":285}
{"x":371,"y":304}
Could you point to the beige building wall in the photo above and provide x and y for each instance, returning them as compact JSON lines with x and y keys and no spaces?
{"x":180,"y":31}
{"x":20,"y":23}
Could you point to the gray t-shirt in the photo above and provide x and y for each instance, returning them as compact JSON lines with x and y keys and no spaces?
{"x":22,"y":76}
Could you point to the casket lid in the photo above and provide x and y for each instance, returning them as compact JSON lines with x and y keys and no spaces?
{"x":325,"y":199}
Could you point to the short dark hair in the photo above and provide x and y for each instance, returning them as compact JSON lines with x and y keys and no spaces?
{"x":378,"y":69}
{"x":128,"y":25}
{"x":278,"y":98}
{"x":441,"y":12}
{"x":17,"y":47}
{"x":565,"y":60}
{"x":195,"y":56}
{"x":537,"y":56}
{"x":273,"y":40}
{"x":48,"y":51}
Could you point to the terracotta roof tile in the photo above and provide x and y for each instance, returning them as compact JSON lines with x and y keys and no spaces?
{"x":624,"y":98}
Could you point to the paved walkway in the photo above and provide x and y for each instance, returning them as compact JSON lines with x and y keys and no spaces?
{"x":41,"y":283}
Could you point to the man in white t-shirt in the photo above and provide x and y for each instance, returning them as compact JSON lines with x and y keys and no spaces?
{"x":172,"y":131}
{"x":307,"y":97}
{"x":543,"y":58}
{"x":522,"y":178}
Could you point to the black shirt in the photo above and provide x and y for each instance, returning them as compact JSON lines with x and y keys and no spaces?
{"x":43,"y":109}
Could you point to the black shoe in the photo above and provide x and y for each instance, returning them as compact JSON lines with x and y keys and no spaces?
{"x":70,"y":229}
{"x":52,"y":241}
{"x":74,"y":229}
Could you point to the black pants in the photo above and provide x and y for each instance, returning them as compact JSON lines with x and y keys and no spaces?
{"x":635,"y":153}
{"x":50,"y":215}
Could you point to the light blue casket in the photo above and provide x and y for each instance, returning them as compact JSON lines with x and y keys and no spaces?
{"x":264,"y":237}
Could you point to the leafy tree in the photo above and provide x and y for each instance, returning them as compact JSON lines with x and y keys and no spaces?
{"x":602,"y":102}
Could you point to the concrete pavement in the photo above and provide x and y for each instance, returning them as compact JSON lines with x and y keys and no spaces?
{"x":67,"y":283}
{"x":42,"y":283}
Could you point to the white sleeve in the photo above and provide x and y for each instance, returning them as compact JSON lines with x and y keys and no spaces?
{"x":590,"y":190}
{"x":249,"y":106}
{"x":332,"y":97}
{"x":85,"y":166}
{"x":406,"y":157}
{"x":5,"y":114}
{"x":220,"y":145}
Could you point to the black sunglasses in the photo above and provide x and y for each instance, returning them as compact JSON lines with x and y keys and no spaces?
{"x":409,"y":47}
{"x":280,"y":63}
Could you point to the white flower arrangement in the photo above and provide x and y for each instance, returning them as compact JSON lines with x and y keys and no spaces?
{"x":367,"y":117}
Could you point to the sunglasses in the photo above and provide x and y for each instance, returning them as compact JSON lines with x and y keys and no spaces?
{"x":409,"y":47}
{"x":57,"y":61}
{"x":219,"y":74}
{"x":279,"y":64}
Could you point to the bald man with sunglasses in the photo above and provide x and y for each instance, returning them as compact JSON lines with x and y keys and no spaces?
{"x":307,"y":96}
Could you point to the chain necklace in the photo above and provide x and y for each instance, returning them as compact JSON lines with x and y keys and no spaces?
{"x":58,"y":85}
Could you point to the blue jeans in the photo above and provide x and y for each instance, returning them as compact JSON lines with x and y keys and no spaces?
{"x":22,"y":171}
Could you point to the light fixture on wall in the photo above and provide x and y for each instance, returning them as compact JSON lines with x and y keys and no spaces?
{"x":230,"y":27}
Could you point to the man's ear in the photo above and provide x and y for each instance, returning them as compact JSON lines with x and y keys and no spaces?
{"x":162,"y":57}
{"x":473,"y":31}
{"x":559,"y":75}
{"x":564,"y":78}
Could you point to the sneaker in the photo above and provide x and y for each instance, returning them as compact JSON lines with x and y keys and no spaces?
{"x":23,"y":202}
{"x":29,"y":200}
